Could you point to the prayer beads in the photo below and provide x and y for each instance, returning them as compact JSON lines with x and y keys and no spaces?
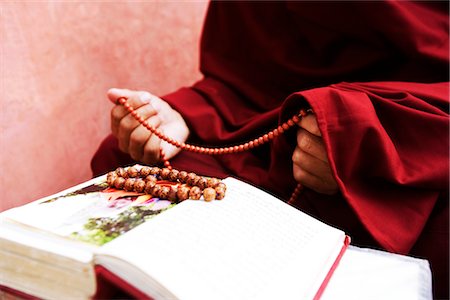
{"x":166,"y":183}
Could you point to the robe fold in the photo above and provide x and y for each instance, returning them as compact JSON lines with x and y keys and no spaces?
{"x":375,"y":75}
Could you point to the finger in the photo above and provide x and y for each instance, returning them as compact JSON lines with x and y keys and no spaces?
{"x":151,"y":150}
{"x":118,"y":112}
{"x":121,"y":118}
{"x":128,"y":124}
{"x":313,"y":182}
{"x":135,"y":100}
{"x":312,"y":164}
{"x":139,"y":138}
{"x":311,"y":144}
{"x":114,"y":94}
{"x":309,"y":123}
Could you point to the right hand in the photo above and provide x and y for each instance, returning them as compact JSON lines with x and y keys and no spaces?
{"x":134,"y":138}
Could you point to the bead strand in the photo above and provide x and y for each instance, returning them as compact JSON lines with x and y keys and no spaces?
{"x":295,"y":120}
{"x":218,"y":150}
{"x":145,"y":180}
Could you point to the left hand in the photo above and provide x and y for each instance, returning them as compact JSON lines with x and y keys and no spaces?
{"x":310,"y":162}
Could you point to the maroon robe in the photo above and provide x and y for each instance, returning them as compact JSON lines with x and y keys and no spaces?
{"x":376,"y":76}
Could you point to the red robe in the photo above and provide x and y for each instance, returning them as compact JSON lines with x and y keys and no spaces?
{"x":376,"y":76}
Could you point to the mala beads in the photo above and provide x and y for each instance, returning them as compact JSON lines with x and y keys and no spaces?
{"x":182,"y":185}
{"x":222,"y":150}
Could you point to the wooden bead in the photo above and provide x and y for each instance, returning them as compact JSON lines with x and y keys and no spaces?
{"x":119,"y":182}
{"x":182,"y":176}
{"x":110,"y":178}
{"x":129,"y":184}
{"x":164,"y":193}
{"x":155,"y":171}
{"x":145,"y":171}
{"x":165,"y":173}
{"x":132,"y":172}
{"x":209,"y":194}
{"x":191,"y":179}
{"x":172,"y":196}
{"x":173,"y":175}
{"x":156,"y":191}
{"x":202,"y":182}
{"x":150,"y":178}
{"x":213,"y":182}
{"x":195,"y":193}
{"x":149,"y":185}
{"x":139,"y":185}
{"x":222,"y":185}
{"x":220,"y":193}
{"x":183,"y":193}
{"x":121,"y":172}
{"x":275,"y":132}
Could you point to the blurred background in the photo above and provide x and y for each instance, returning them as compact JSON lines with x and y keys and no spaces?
{"x":58,"y":59}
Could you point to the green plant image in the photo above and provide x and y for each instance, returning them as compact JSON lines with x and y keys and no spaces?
{"x":101,"y":230}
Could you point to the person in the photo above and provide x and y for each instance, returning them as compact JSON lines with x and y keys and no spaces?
{"x":373,"y":155}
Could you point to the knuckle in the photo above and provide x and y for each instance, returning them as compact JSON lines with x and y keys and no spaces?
{"x":115,"y":113}
{"x":126,"y":124}
{"x":305,"y":143}
{"x":296,"y":155}
{"x":299,"y":174}
{"x":135,"y":139}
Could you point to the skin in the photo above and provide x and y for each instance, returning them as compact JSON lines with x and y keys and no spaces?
{"x":311,"y":167}
{"x":310,"y":162}
{"x":133,"y":137}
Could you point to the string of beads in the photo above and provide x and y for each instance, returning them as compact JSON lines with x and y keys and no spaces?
{"x":295,"y":120}
{"x":166,"y":183}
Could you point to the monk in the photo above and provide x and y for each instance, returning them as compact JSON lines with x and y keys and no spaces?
{"x":373,"y":154}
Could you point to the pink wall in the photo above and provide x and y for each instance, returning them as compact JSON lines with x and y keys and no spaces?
{"x":57,"y":62}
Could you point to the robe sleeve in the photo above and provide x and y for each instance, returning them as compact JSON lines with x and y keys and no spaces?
{"x":388,"y":146}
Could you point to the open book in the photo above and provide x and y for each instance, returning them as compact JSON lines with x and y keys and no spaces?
{"x":82,"y":242}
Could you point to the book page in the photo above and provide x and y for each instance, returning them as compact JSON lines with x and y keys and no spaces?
{"x":67,"y":227}
{"x":372,"y":274}
{"x":91,"y":213}
{"x":248,"y":245}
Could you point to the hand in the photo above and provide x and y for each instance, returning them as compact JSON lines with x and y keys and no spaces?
{"x":134,"y":138}
{"x":311,"y":167}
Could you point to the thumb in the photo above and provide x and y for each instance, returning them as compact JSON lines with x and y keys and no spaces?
{"x":169,"y":150}
{"x":114,"y":94}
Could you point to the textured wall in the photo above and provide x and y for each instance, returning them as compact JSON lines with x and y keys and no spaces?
{"x":58,"y":60}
